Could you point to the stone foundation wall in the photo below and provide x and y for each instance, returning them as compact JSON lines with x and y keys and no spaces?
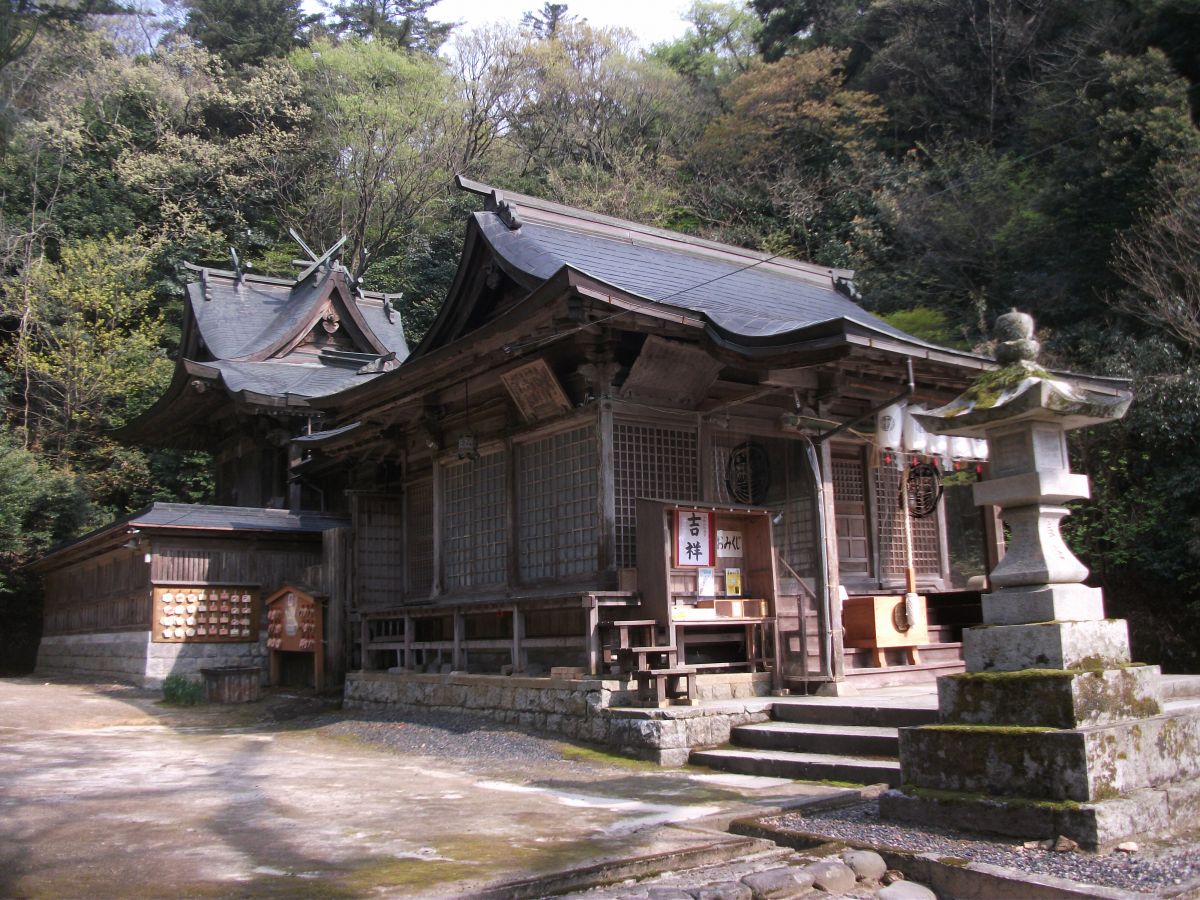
{"x":132,"y":656}
{"x":587,"y":710}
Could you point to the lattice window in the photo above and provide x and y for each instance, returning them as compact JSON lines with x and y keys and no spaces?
{"x":557,"y":505}
{"x":926,"y":555}
{"x":474,"y":523}
{"x":790,"y":489}
{"x":653,"y":462}
{"x":848,"y":483}
{"x":419,"y":538}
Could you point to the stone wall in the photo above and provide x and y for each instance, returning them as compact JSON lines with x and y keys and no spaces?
{"x":583,"y":709}
{"x":133,"y":656}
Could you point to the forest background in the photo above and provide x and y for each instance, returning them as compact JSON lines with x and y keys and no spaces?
{"x":964,"y":156}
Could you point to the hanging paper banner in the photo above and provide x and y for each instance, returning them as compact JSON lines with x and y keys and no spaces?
{"x":695,"y":537}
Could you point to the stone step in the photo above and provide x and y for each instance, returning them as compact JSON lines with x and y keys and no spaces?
{"x":867,"y":712}
{"x":1180,"y":687}
{"x":842,"y":740}
{"x":801,"y":766}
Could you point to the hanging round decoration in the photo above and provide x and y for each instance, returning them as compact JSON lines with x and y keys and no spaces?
{"x":748,"y":473}
{"x":924,"y":485}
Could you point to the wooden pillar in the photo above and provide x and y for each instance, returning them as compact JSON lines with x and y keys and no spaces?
{"x":519,"y":660}
{"x":459,"y":659}
{"x":366,"y":641}
{"x":831,"y":631}
{"x":606,"y":492}
{"x":436,"y":486}
{"x":591,"y":637}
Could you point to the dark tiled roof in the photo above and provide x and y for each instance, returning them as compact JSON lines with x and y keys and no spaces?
{"x":241,"y":518}
{"x":237,"y":322}
{"x":279,"y":379}
{"x":744,"y":296}
{"x":197,"y":517}
{"x":735,"y":292}
{"x":330,"y":436}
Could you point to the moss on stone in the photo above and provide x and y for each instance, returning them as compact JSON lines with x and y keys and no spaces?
{"x":576,"y":753}
{"x":988,"y":389}
{"x":1010,"y":730}
{"x":1019,"y":675}
{"x":944,"y":796}
{"x":954,"y":861}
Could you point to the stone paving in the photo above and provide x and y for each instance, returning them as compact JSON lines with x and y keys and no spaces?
{"x":774,"y":875}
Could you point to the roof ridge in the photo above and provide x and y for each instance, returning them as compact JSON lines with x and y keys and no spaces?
{"x":209,"y":271}
{"x":598,"y":223}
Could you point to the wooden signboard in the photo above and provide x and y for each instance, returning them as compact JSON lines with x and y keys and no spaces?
{"x":695,"y":538}
{"x":536,"y":391}
{"x":205,"y":614}
{"x":294,"y":626}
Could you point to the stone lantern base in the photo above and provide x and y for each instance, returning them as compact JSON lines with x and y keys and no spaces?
{"x":1052,"y":730}
{"x":1076,"y":745}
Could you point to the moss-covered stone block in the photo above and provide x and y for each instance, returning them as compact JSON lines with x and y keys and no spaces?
{"x":1098,"y":762}
{"x":1100,"y":644}
{"x":1054,"y":698}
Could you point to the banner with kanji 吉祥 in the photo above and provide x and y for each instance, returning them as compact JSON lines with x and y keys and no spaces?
{"x":695,"y":537}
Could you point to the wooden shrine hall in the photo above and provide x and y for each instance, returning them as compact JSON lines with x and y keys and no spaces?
{"x":618,"y":449}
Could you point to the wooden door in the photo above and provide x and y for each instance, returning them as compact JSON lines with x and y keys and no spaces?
{"x":850,"y":513}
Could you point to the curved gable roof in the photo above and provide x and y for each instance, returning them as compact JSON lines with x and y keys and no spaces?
{"x":746,"y":298}
{"x":253,"y":317}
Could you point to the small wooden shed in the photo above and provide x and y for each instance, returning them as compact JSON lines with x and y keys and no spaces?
{"x":172,"y":589}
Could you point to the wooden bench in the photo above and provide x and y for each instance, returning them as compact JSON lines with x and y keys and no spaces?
{"x":641,"y":659}
{"x":663,"y":687}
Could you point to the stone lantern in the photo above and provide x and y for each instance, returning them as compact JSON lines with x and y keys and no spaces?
{"x":1052,"y":730}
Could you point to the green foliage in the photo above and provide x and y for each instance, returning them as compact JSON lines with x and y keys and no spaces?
{"x":401,"y":24}
{"x":389,"y":121}
{"x":927,"y":323}
{"x":247,"y":32}
{"x":718,"y":46}
{"x":179,"y":690}
{"x":39,"y":507}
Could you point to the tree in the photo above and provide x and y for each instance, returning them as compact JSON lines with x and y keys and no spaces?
{"x":789,"y":166}
{"x":585,"y":98}
{"x":388,"y":124}
{"x":1160,"y":256}
{"x":92,"y":351}
{"x":247,"y":32}
{"x":403,"y":24}
{"x":544,"y":23}
{"x":719,"y":45}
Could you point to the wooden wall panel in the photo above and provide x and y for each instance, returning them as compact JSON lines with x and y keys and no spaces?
{"x":106,"y":593}
{"x":378,"y":550}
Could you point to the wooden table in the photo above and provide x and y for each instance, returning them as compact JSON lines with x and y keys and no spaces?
{"x":752,"y":636}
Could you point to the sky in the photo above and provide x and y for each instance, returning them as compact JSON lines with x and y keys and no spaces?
{"x":651,"y":21}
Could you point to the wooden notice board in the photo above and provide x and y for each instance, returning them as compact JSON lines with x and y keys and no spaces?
{"x":701,"y":561}
{"x":294,"y":625}
{"x":205,"y":613}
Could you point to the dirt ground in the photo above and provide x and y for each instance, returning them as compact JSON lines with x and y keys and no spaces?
{"x":104,"y":792}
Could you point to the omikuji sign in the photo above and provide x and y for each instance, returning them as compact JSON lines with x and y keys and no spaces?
{"x":695,"y":537}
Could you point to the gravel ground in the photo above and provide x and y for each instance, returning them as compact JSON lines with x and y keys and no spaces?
{"x":1156,"y":865}
{"x":446,"y":735}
